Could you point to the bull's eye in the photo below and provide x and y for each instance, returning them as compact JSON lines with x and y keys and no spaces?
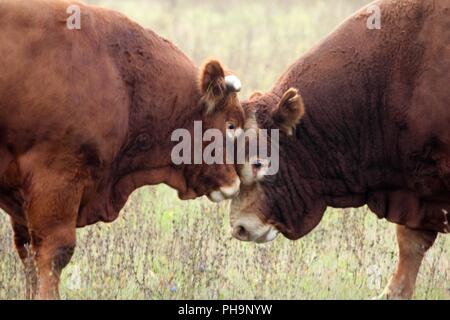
{"x":233,"y":131}
{"x":260,"y":168}
{"x":258,"y":164}
{"x":254,"y":170}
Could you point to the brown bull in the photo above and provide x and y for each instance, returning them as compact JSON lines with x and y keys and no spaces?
{"x":86,"y":117}
{"x":375,"y":131}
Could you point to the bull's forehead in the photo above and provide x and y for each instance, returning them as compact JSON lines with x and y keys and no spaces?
{"x":229,"y":111}
{"x":235,"y":110}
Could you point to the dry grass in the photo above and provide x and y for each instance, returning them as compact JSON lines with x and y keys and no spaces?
{"x":162,"y":248}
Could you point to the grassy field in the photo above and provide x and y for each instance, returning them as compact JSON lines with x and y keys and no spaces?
{"x":163,"y":248}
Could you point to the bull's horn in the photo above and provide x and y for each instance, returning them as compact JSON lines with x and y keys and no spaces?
{"x":233,"y":83}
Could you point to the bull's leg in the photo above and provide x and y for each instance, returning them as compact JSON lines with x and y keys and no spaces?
{"x":22,"y":241}
{"x":52,"y":216}
{"x":54,"y":249}
{"x":413,"y":245}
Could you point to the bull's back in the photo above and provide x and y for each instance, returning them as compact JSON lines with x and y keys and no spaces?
{"x":58,"y":87}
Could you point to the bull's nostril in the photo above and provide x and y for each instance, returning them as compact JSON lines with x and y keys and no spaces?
{"x":242,"y":232}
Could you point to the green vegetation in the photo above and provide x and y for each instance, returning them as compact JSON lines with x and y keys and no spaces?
{"x":163,"y":248}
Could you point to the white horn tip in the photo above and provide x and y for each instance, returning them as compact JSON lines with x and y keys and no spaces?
{"x":233,"y":83}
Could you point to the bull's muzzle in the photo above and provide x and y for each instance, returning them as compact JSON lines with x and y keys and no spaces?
{"x":250,"y":230}
{"x":226,"y":192}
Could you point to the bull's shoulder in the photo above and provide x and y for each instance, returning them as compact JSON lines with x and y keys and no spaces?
{"x":59,"y":84}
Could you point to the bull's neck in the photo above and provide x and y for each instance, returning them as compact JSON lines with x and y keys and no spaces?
{"x":162,"y":90}
{"x":340,"y":143}
{"x":356,"y":85}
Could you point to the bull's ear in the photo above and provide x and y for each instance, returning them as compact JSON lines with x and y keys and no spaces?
{"x":215,"y":86}
{"x":212,"y":82}
{"x":289,"y":111}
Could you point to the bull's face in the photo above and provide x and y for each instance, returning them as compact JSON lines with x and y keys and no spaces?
{"x":222,"y":111}
{"x":266,"y":204}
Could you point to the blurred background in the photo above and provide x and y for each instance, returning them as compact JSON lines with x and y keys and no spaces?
{"x":163,"y":248}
